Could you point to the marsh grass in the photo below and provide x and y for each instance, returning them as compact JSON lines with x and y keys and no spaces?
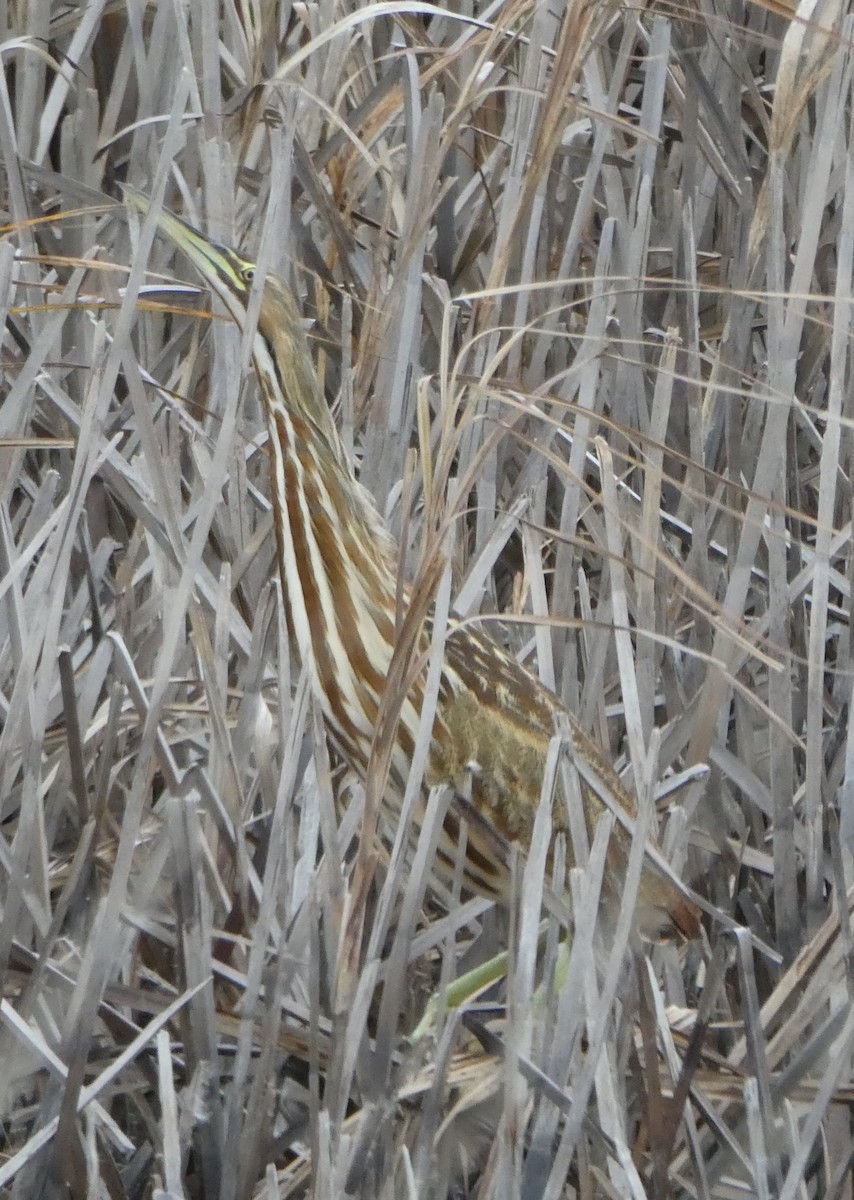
{"x":579,"y":287}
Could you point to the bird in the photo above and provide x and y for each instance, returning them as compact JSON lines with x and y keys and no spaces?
{"x":494,"y":719}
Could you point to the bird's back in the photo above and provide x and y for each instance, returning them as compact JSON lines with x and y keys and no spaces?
{"x":494,"y":724}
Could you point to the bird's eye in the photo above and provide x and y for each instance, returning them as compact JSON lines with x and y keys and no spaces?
{"x":248,"y":274}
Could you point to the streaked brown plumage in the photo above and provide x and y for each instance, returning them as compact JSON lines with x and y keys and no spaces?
{"x":494,"y":719}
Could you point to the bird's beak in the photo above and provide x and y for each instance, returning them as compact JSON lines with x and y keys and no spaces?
{"x":209,"y":258}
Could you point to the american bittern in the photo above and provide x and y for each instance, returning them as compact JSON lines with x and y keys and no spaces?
{"x":494,"y":719}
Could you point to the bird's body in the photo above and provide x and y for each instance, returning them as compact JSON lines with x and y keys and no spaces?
{"x":494,"y":720}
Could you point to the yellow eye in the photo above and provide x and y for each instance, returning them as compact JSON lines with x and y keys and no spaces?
{"x":247,"y":274}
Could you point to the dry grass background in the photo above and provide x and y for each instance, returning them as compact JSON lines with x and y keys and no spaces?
{"x":583,"y":272}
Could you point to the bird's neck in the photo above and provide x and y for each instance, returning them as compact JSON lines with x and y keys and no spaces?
{"x":338,"y":572}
